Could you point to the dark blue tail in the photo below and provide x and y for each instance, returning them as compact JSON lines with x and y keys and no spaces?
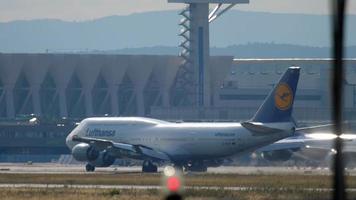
{"x":278,"y":105}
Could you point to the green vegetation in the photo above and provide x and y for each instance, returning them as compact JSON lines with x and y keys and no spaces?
{"x":260,"y":187}
{"x":223,"y":180}
{"x":103,"y":194}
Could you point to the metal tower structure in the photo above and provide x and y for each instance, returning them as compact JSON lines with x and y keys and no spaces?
{"x":191,"y":86}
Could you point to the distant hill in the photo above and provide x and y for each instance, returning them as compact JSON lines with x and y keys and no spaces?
{"x":270,"y":50}
{"x":160,"y":29}
{"x":254,"y":50}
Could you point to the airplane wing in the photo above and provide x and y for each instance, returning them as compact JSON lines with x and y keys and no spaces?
{"x":299,"y":142}
{"x":257,"y":128}
{"x":123,"y":149}
{"x":321,"y":141}
{"x":315,"y":128}
{"x":285,"y":144}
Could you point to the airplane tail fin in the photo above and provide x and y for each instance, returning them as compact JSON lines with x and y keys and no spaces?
{"x":278,"y":105}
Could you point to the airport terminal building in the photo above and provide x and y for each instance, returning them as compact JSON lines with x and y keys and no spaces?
{"x":54,"y":87}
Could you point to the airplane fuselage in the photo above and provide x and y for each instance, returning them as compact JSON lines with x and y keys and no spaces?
{"x":181,"y":141}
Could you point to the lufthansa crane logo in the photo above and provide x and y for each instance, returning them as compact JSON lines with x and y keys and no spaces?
{"x":283,"y":96}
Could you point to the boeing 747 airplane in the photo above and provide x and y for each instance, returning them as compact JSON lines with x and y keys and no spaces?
{"x":193,"y":146}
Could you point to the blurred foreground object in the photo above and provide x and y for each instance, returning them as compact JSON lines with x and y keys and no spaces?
{"x":173,"y":183}
{"x":338,"y":19}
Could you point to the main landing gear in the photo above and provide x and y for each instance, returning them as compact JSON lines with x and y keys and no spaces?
{"x":89,"y":168}
{"x":149,"y":167}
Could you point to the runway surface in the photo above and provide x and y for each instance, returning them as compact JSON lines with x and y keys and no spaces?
{"x":156,"y":187}
{"x":49,"y":168}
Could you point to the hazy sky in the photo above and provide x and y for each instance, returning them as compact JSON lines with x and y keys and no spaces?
{"x":90,"y":9}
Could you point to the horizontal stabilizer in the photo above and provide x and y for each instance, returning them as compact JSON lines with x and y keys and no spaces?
{"x":259,"y":128}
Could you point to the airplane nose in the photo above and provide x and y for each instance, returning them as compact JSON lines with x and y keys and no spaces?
{"x":69,"y":141}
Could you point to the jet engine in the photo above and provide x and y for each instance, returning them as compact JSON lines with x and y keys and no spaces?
{"x":277,"y":155}
{"x":104,"y":160}
{"x":85,"y":152}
